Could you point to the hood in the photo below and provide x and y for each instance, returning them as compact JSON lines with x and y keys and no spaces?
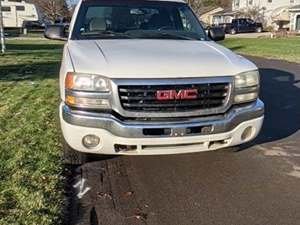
{"x":155,"y":58}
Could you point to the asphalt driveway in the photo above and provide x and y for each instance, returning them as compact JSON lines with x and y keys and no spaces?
{"x":256,"y":184}
{"x":250,"y":35}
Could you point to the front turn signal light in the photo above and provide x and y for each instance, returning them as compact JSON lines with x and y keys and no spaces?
{"x":69,"y":81}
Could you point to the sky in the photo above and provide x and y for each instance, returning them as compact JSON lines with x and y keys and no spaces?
{"x":72,"y":2}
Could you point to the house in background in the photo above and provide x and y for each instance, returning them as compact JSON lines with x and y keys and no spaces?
{"x":269,"y":5}
{"x":207,"y":14}
{"x":224,"y":16}
{"x":276,"y":13}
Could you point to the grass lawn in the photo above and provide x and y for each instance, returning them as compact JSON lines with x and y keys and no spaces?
{"x":30,"y":169}
{"x":283,"y":48}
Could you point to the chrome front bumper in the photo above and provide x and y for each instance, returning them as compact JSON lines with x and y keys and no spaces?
{"x":208,"y":125}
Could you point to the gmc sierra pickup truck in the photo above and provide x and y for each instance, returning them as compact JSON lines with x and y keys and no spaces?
{"x":142,"y":77}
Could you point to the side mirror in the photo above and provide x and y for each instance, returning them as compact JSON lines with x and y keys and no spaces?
{"x":216,"y":34}
{"x":56,"y":32}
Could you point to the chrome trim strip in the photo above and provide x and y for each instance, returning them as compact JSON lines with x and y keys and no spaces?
{"x":134,"y":129}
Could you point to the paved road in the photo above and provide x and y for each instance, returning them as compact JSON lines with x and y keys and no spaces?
{"x":260,"y":184}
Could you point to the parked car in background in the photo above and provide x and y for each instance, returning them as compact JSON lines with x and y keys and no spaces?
{"x":17,"y":13}
{"x":62,"y":21}
{"x":242,"y":25}
{"x":33,"y":25}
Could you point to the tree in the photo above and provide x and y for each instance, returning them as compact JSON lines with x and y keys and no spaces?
{"x":52,"y":9}
{"x":206,"y":3}
{"x":256,"y":13}
{"x":223,"y":3}
{"x":196,"y":5}
{"x":199,"y":5}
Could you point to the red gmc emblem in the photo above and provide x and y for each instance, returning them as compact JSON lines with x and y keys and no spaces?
{"x":187,"y":94}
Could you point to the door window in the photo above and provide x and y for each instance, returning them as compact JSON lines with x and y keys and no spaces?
{"x":298,"y":23}
{"x":6,"y":9}
{"x":20,"y":8}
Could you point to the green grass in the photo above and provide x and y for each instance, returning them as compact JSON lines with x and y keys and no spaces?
{"x":33,"y":35}
{"x":31,"y":184}
{"x":282,"y":48}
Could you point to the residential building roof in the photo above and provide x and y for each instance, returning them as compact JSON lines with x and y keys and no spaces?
{"x":227,"y":11}
{"x":295,"y":7}
{"x":207,"y":9}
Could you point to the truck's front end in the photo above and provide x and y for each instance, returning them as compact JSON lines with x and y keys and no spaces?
{"x":142,"y":78}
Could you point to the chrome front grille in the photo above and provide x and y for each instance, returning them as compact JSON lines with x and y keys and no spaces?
{"x":143,"y":98}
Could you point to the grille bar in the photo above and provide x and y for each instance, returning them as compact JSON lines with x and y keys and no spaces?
{"x":141,"y":89}
{"x":153,"y":98}
{"x":142,"y":98}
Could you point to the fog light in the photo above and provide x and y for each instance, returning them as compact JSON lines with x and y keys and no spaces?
{"x":91,"y":141}
{"x":247,"y":134}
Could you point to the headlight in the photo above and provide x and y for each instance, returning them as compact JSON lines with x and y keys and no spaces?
{"x":248,"y":79}
{"x":86,"y":82}
{"x":246,"y":87}
{"x":87,"y":91}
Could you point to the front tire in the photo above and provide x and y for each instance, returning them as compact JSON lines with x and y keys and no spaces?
{"x":71,"y":156}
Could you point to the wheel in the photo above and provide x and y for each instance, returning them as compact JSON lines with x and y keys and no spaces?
{"x":258,"y":30}
{"x":233,"y":31}
{"x":71,"y":156}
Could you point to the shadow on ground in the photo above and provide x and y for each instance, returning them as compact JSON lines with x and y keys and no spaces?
{"x":35,"y":71}
{"x":33,"y":47}
{"x":30,"y":61}
{"x":281,"y":96}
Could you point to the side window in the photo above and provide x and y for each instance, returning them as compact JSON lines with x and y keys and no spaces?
{"x":98,"y":12}
{"x":187,"y":26}
{"x":20,"y":8}
{"x":6,"y":9}
{"x":184,"y":19}
{"x":250,"y":21}
{"x":97,"y":18}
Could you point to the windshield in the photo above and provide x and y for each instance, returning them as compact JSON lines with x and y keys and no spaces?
{"x":136,"y":19}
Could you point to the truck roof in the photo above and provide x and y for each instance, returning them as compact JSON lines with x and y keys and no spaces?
{"x":181,"y":1}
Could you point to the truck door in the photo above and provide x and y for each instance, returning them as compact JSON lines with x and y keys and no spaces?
{"x":251,"y":25}
{"x":242,"y":25}
{"x":20,"y":15}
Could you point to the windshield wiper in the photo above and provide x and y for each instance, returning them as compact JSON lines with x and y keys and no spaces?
{"x":113,"y":34}
{"x":182,"y":37}
{"x":166,"y":35}
{"x":106,"y":34}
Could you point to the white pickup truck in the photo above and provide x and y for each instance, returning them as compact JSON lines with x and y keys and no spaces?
{"x":142,"y":77}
